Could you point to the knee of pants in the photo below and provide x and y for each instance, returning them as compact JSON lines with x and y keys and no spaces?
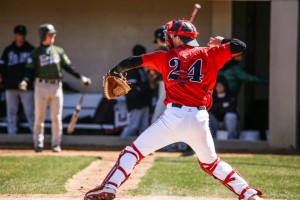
{"x":56,"y":118}
{"x":128,"y":159}
{"x":38,"y":118}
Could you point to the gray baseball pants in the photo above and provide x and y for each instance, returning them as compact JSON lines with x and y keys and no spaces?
{"x":13,"y":98}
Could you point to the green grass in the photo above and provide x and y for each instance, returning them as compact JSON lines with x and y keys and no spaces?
{"x":277,"y":176}
{"x":38,"y":174}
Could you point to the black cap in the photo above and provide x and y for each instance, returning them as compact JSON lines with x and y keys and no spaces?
{"x":138,"y":50}
{"x":20,"y":29}
{"x":159,"y":33}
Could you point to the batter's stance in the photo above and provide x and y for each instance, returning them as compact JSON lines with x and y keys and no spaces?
{"x":46,"y":63}
{"x":189,"y":73}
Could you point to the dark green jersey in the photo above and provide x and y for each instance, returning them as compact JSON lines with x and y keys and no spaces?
{"x":235,"y":74}
{"x":47,"y":62}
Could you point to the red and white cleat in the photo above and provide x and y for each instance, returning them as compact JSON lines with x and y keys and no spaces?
{"x":100,"y":193}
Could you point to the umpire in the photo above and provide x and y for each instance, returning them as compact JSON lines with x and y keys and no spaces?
{"x":47,"y":62}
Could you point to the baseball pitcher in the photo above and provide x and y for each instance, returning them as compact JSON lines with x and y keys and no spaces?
{"x":189,"y":74}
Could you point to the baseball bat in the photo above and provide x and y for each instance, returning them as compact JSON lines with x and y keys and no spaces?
{"x":195,"y":12}
{"x":75,"y":115}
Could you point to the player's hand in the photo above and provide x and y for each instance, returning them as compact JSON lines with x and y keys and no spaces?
{"x":23,"y":86}
{"x":215,"y":41}
{"x":85,"y":80}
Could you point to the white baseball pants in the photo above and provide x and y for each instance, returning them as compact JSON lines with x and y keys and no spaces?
{"x":48,"y":94}
{"x":185,"y":124}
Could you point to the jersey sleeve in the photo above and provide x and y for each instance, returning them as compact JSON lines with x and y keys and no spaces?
{"x":154,"y":60}
{"x":221,"y":54}
{"x":64,"y":59}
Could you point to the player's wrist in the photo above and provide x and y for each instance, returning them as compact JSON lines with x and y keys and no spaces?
{"x":225,"y":40}
{"x":85,"y":80}
{"x":113,"y":72}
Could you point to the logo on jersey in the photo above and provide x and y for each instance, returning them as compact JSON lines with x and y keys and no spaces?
{"x":48,"y":60}
{"x":17,"y":58}
{"x":193,"y":73}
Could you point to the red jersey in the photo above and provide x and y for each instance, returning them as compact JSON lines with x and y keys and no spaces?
{"x":189,"y":73}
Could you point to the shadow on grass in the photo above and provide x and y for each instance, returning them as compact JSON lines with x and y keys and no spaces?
{"x":265,"y":165}
{"x":230,"y":162}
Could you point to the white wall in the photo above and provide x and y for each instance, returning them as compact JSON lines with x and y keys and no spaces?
{"x":98,"y":34}
{"x":283,"y":71}
{"x":222,"y":18}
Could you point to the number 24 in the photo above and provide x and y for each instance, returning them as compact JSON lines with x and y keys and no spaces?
{"x":194,"y":72}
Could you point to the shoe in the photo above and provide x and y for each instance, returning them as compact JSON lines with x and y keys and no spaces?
{"x":255,"y":197}
{"x":56,"y":148}
{"x":38,"y":149}
{"x":100,"y":193}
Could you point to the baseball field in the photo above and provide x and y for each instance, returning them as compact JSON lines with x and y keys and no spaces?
{"x":68,"y":175}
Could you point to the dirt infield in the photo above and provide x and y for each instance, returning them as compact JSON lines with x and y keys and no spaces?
{"x":88,"y":178}
{"x":125,"y":198}
{"x":94,"y":173}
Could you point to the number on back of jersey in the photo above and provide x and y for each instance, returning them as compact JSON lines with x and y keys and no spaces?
{"x":193,"y":73}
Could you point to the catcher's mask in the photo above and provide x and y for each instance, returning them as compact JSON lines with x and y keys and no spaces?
{"x":184,"y":29}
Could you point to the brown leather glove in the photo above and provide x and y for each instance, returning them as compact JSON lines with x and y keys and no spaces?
{"x":115,"y":85}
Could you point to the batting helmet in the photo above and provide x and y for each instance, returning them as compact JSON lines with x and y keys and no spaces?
{"x":45,"y":29}
{"x":184,"y":29}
